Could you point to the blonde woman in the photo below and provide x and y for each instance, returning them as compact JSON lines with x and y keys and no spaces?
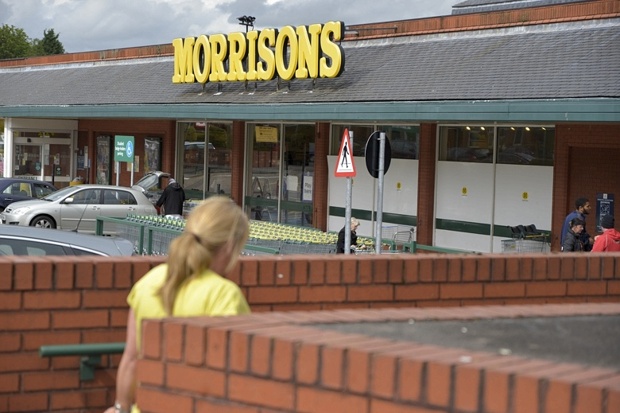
{"x":191,"y":283}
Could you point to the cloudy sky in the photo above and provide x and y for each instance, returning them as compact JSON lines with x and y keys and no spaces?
{"x":86,"y":25}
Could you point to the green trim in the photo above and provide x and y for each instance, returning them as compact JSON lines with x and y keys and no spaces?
{"x":388,"y":217}
{"x":554,"y":110}
{"x":463,"y":226}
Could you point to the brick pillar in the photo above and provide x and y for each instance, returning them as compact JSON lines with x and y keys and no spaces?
{"x":237,"y":166}
{"x":561,"y":204}
{"x":321,"y":177}
{"x":426,"y":183}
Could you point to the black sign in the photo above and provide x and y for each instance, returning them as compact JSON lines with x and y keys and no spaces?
{"x":372,"y":154}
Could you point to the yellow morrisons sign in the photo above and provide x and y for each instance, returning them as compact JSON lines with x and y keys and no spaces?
{"x":302,"y":52}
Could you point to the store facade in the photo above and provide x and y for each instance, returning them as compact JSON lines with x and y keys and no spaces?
{"x":477,"y":143}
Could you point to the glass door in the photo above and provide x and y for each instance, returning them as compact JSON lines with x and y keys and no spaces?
{"x":28,"y":161}
{"x":280,"y":173}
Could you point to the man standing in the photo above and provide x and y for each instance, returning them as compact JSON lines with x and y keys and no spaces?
{"x":172,"y":198}
{"x":582,"y":208}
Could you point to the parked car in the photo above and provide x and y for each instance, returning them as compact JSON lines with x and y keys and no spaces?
{"x":19,"y":189}
{"x":151,"y":185}
{"x":18,"y":240}
{"x":76,"y":208}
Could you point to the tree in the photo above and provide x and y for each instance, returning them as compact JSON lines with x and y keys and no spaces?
{"x":51,"y":44}
{"x":14,"y":42}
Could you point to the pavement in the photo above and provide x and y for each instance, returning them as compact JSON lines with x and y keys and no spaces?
{"x":586,"y":339}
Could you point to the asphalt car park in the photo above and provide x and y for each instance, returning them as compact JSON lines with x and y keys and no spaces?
{"x":29,"y":241}
{"x":76,"y":208}
{"x":20,"y":189}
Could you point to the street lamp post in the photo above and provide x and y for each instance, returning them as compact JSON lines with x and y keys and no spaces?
{"x":247,"y":21}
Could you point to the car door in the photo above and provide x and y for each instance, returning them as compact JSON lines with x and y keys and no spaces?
{"x":81,"y":214}
{"x":118,"y":203}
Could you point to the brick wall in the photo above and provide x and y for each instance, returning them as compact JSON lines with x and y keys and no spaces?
{"x":277,"y":363}
{"x":57,"y":300}
{"x":587,"y":158}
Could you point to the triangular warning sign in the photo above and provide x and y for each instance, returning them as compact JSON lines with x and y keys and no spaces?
{"x":345,"y":166}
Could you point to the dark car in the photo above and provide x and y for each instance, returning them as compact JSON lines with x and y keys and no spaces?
{"x":19,"y":240}
{"x":18,"y":189}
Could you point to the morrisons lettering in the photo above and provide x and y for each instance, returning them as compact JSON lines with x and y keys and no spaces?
{"x":302,"y":52}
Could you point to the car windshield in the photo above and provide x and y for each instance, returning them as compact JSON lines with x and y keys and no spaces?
{"x":61,"y":193}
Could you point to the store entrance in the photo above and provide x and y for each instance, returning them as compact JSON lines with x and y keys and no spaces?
{"x":45,"y":160}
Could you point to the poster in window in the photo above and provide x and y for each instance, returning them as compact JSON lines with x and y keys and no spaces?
{"x":152,"y":154}
{"x":103,"y":160}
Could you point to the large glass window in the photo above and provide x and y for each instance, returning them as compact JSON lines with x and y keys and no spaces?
{"x":404,"y":139}
{"x":281,"y":172}
{"x":525,"y":145}
{"x":206,"y":158}
{"x":516,"y":145}
{"x":466,"y":144}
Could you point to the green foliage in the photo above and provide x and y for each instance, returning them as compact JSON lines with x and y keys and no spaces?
{"x":51,"y":44}
{"x":15,"y":43}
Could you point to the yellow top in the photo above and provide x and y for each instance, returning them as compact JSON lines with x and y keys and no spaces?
{"x":207,"y":294}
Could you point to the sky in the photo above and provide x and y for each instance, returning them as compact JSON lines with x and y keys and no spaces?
{"x":90,"y":25}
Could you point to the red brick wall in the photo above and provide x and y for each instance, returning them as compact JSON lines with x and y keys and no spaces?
{"x":587,"y":162}
{"x":426,"y":183}
{"x":89,"y":129}
{"x":277,"y":363}
{"x":45,"y":301}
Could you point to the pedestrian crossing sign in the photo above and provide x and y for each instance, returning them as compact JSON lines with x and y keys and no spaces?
{"x":345,"y":166}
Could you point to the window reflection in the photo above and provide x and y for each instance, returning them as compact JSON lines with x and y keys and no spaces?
{"x":206,"y":158}
{"x":525,"y":145}
{"x":404,"y":139}
{"x":466,"y":144}
{"x":516,"y":145}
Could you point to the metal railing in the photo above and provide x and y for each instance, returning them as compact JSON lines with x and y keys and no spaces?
{"x":90,"y":354}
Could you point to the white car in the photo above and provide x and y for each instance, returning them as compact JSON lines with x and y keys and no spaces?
{"x":76,"y":208}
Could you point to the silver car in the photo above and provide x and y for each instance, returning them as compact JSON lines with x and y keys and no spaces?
{"x":76,"y":208}
{"x":16,"y":240}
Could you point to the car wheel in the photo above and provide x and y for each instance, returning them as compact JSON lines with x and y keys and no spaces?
{"x":43,"y":221}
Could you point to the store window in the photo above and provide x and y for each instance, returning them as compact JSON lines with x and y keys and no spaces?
{"x":404,"y":139}
{"x":43,"y":155}
{"x":466,"y":144}
{"x":525,"y":145}
{"x":516,"y":145}
{"x":206,"y":158}
{"x":281,"y":173}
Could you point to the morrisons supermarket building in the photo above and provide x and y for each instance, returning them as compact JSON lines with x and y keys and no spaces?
{"x":495,"y":118}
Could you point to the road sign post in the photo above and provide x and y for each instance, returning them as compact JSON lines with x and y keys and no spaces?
{"x":345,"y":167}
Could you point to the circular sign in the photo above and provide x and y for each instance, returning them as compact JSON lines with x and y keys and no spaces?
{"x":372,"y":154}
{"x":129,"y":149}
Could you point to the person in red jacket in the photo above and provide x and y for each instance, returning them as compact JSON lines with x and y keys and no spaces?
{"x":609,"y":240}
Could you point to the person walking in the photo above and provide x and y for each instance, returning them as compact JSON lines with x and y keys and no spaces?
{"x":172,"y":198}
{"x":190,"y":283}
{"x":572,"y":240}
{"x":582,"y":209}
{"x":609,"y":240}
